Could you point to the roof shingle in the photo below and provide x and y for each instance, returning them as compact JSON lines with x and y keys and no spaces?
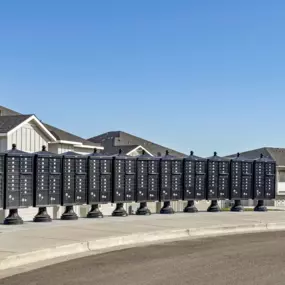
{"x":8,"y":123}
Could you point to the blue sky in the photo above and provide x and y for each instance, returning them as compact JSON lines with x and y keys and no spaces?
{"x":198,"y":75}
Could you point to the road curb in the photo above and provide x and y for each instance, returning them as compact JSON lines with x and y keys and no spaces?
{"x":113,"y":243}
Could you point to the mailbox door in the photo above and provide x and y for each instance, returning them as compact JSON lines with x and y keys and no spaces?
{"x":236,"y":180}
{"x":54,"y":189}
{"x":213,"y":174}
{"x":26,"y":190}
{"x":153,"y":188}
{"x":246,"y":186}
{"x":177,"y":167}
{"x":224,"y":181}
{"x":130,"y":183}
{"x":200,"y":186}
{"x":42,"y":187}
{"x":105,"y":188}
{"x":80,"y":189}
{"x":165,"y":194}
{"x":68,"y":197}
{"x":119,"y":180}
{"x":270,"y":176}
{"x":189,"y":186}
{"x":142,"y":187}
{"x":176,"y":185}
{"x":259,"y":180}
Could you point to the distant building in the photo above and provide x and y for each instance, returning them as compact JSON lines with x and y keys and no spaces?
{"x":29,"y":134}
{"x":130,"y":144}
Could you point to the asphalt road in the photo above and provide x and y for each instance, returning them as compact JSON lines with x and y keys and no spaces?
{"x":243,"y":259}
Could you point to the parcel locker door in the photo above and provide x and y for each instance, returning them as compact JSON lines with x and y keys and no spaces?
{"x":200,"y":187}
{"x":105,"y":188}
{"x":236,"y":180}
{"x":130,"y":184}
{"x":153,"y":188}
{"x":189,"y":184}
{"x":26,"y":190}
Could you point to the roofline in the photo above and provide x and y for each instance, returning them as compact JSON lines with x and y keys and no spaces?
{"x":3,"y":134}
{"x":89,"y":146}
{"x":32,"y":117}
{"x":139,"y":146}
{"x":77,"y":144}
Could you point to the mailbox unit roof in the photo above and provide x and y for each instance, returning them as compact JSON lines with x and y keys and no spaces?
{"x":264,"y":159}
{"x":16,"y":152}
{"x":146,"y":156}
{"x":194,"y":157}
{"x":215,"y":157}
{"x":241,"y":158}
{"x":72,"y":154}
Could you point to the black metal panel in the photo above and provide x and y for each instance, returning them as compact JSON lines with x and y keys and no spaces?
{"x":2,"y":175}
{"x":74,"y":179}
{"x":218,"y":180}
{"x":48,"y":174}
{"x":99,"y":179}
{"x":241,"y":179}
{"x":259,"y":180}
{"x":148,"y":172}
{"x":124,"y":178}
{"x":19,"y":179}
{"x":195,"y":170}
{"x":171,"y":187}
{"x":264,"y":184}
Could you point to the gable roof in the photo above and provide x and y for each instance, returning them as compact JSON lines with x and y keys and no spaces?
{"x":275,"y":153}
{"x":58,"y":134}
{"x":116,"y":139}
{"x":8,"y":123}
{"x":62,"y":135}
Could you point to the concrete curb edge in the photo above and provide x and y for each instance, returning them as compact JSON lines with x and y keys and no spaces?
{"x":113,"y":243}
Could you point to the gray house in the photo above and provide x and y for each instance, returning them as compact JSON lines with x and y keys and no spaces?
{"x":130,"y":144}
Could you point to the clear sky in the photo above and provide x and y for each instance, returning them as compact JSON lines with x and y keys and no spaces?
{"x":198,"y":75}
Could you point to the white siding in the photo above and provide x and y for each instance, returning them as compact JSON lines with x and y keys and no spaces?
{"x":53,"y":147}
{"x":3,"y":144}
{"x":82,"y":150}
{"x":28,"y":138}
{"x":65,"y":147}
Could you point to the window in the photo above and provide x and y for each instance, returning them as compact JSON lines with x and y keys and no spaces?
{"x":282,"y":176}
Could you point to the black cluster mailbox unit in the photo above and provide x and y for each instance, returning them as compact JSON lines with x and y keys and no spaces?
{"x":241,"y":185}
{"x":100,"y":168}
{"x":19,"y":183}
{"x":218,"y":181}
{"x":195,"y":171}
{"x":124,"y":181}
{"x":74,"y":192}
{"x":2,"y":178}
{"x":48,"y":183}
{"x":148,"y":173}
{"x":171,"y":186}
{"x":264,"y":181}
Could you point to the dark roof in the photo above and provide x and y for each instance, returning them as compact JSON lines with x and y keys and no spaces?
{"x":277,"y":154}
{"x":65,"y":136}
{"x":8,"y":123}
{"x":112,"y":141}
{"x":57,"y":133}
{"x":7,"y":112}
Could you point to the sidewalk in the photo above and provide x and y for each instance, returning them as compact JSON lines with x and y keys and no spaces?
{"x":32,"y":242}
